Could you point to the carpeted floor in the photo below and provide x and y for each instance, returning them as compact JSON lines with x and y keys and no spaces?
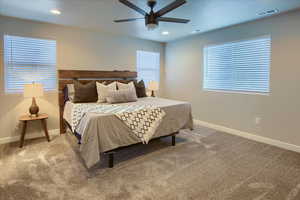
{"x":204,"y":165}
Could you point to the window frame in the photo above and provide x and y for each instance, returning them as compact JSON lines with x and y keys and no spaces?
{"x":236,"y":91}
{"x":156,"y":70}
{"x":5,"y":68}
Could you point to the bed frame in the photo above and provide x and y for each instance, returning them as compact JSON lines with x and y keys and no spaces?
{"x":68,"y":76}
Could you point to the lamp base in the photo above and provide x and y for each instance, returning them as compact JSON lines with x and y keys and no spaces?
{"x":34,"y":109}
{"x":152,"y":93}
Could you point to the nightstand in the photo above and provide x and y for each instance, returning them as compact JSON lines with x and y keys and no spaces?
{"x":27,"y":118}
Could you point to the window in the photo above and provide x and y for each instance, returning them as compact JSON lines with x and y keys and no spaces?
{"x":28,"y":60}
{"x":242,"y":66}
{"x":148,"y":66}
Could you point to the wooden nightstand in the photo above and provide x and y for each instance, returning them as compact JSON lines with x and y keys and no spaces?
{"x":27,"y":118}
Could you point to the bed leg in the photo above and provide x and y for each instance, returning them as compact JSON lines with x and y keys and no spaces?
{"x":173,"y":140}
{"x":111,"y":160}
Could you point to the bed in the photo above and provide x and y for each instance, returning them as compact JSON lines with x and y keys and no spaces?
{"x":103,"y":133}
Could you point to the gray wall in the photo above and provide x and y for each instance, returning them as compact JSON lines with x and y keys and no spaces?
{"x":76,"y":49}
{"x":279,"y":112}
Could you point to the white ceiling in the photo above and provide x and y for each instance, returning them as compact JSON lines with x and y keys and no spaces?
{"x":205,"y":15}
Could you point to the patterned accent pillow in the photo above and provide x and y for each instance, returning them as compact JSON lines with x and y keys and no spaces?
{"x":103,"y":90}
{"x":85,"y":93}
{"x":121,"y":96}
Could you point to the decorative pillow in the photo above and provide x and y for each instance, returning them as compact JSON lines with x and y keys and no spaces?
{"x":126,"y":86}
{"x":85,"y":93}
{"x":71,"y":91}
{"x":140,"y":89}
{"x":103,"y":91}
{"x":121,"y":96}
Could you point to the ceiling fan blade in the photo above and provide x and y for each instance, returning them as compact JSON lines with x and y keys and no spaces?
{"x":134,"y":7}
{"x":170,"y":7}
{"x":175,"y":20}
{"x":127,"y":20}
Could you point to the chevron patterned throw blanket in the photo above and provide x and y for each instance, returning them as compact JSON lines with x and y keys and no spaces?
{"x":143,"y":120}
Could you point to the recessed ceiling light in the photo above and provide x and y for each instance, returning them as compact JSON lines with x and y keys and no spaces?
{"x":165,"y":33}
{"x":55,"y":12}
{"x":268,"y":12}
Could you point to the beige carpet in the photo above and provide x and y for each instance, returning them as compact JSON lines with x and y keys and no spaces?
{"x":205,"y":164}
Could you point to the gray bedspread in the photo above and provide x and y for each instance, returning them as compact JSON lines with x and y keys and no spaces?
{"x":104,"y":132}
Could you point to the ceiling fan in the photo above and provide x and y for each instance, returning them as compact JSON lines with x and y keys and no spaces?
{"x":153,"y":18}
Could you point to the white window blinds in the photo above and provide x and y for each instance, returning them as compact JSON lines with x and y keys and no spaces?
{"x":242,"y":66}
{"x":28,"y":60}
{"x":148,"y":66}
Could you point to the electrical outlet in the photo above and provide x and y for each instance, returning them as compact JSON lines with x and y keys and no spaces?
{"x":257,"y":120}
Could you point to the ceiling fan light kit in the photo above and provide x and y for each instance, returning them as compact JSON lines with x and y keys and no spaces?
{"x":152,"y":18}
{"x":151,"y":27}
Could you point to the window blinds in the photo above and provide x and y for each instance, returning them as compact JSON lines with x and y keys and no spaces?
{"x":242,"y":66}
{"x":28,"y":60}
{"x":148,"y":66}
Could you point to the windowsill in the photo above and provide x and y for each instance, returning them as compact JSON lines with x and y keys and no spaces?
{"x":21,"y":93}
{"x":236,"y":92}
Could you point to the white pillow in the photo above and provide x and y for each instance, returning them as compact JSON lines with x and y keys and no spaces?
{"x":71,"y":91}
{"x":126,"y":86}
{"x":103,"y":91}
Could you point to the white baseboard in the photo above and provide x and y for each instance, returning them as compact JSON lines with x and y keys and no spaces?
{"x":250,"y":136}
{"x":5,"y":140}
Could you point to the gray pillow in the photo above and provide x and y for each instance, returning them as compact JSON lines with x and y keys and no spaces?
{"x":140,"y":89}
{"x":85,"y":93}
{"x":121,"y":96}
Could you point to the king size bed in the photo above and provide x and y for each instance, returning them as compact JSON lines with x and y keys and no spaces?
{"x":103,"y":128}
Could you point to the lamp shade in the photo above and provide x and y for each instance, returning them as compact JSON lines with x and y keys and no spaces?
{"x":153,"y":85}
{"x":33,"y":90}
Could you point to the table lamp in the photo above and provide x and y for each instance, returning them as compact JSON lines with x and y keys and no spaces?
{"x":153,"y":86}
{"x":32,"y":91}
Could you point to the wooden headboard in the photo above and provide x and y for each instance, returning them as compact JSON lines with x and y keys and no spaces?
{"x":67,"y":76}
